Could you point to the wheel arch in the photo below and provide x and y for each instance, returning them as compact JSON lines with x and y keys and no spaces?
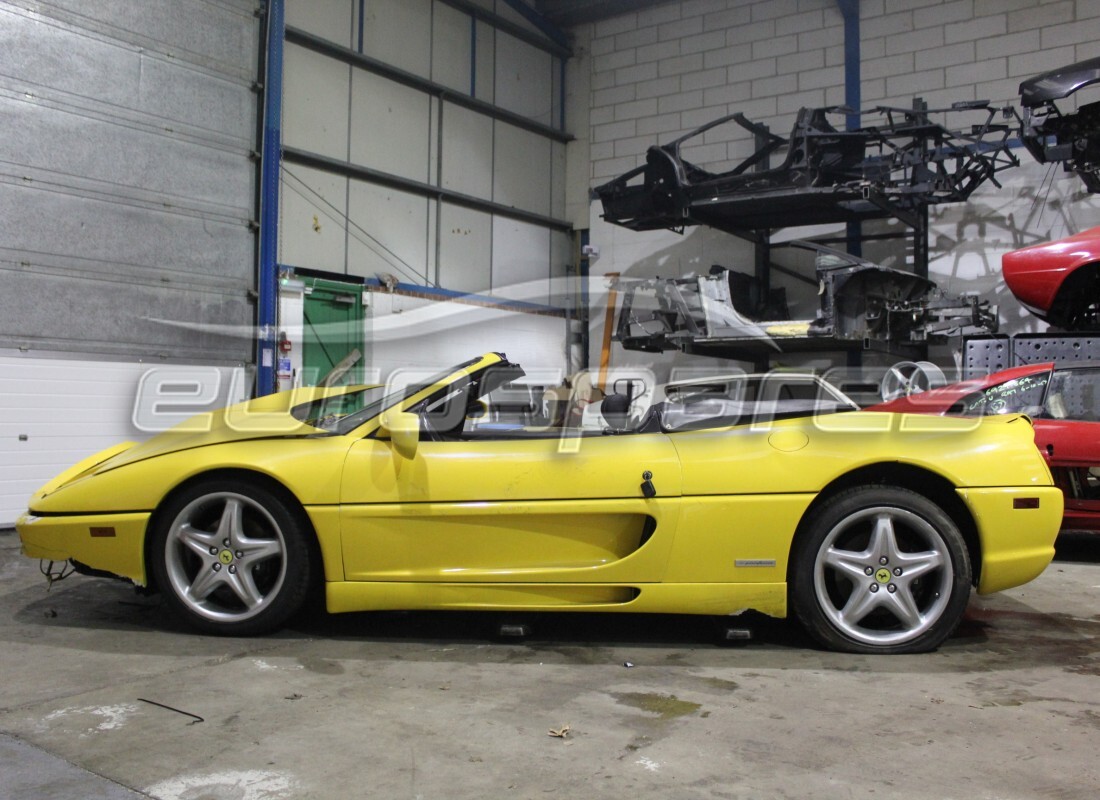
{"x":924,"y":482}
{"x":259,"y":479}
{"x":1081,"y":280}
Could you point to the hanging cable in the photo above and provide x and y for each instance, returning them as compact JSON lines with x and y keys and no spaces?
{"x":393,"y":259}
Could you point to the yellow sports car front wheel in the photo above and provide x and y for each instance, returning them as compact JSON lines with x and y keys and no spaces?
{"x":881,"y":570}
{"x":232,"y":557}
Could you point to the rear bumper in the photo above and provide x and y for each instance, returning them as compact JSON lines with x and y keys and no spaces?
{"x":1017,"y":543}
{"x":112,"y":543}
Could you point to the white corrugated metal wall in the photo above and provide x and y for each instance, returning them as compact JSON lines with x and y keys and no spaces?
{"x":126,"y":194}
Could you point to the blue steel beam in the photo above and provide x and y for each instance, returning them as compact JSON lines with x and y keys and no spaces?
{"x":547,"y":28}
{"x":267,"y":274}
{"x":849,"y":10}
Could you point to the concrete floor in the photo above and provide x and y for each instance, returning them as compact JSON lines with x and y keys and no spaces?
{"x":106,"y":696}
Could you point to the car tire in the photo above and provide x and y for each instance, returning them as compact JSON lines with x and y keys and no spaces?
{"x":232,"y":558}
{"x":880,"y":570}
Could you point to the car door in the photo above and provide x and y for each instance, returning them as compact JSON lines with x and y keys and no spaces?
{"x":1068,"y":436}
{"x":510,"y":506}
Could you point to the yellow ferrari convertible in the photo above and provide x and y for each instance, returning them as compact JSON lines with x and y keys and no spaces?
{"x":871,"y":528}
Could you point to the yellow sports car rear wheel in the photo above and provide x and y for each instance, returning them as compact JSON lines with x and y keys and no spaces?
{"x":880,"y":570}
{"x":231,"y":558}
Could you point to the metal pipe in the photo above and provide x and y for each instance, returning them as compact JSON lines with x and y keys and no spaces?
{"x":373,"y":65}
{"x":293,"y":155}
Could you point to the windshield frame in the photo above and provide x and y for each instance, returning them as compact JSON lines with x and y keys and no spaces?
{"x":408,"y":395}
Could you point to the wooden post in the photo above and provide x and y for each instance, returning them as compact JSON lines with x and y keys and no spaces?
{"x":608,"y":328}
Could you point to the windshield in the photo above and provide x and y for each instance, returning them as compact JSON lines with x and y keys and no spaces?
{"x":327,"y":412}
{"x":1074,"y":394}
{"x":344,"y":413}
{"x":1022,"y":395}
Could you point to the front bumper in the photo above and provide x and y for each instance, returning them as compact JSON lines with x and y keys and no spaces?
{"x":112,"y":543}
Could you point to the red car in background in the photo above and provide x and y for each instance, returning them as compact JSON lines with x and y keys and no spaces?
{"x":1059,"y":281}
{"x":1064,"y":404}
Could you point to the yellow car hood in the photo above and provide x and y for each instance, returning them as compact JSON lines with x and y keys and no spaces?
{"x":267,"y":417}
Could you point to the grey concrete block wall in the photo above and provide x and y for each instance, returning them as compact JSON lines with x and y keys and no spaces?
{"x":700,"y":59}
{"x":697,"y":60}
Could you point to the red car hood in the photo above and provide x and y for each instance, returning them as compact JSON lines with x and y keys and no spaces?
{"x":1034,"y":274}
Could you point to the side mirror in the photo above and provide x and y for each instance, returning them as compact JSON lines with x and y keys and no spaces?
{"x":404,"y":430}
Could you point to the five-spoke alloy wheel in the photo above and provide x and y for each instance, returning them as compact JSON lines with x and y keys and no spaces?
{"x":880,"y":570}
{"x":231,"y":558}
